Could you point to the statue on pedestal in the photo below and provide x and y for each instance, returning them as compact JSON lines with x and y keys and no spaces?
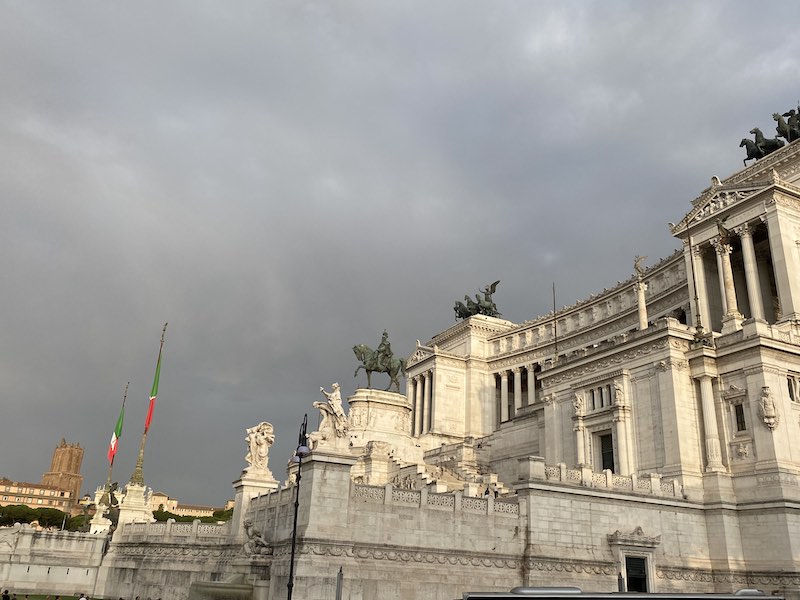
{"x":380,"y":361}
{"x":259,"y":439}
{"x":334,"y":424}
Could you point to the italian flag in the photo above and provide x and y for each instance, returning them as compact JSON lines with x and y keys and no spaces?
{"x":154,"y":391}
{"x":112,"y":447}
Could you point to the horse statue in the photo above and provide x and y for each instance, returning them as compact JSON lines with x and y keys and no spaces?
{"x":782,"y":128}
{"x":479,"y":306}
{"x":753,"y":153}
{"x":766,"y":146}
{"x":464,"y":310}
{"x":373,"y":361}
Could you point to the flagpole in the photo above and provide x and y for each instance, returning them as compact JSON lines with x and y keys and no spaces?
{"x":105,"y":499}
{"x":555,"y":326}
{"x":138,"y":475}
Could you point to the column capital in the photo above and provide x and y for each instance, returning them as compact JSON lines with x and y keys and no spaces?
{"x":722,"y":247}
{"x":744,"y":230}
{"x":640,"y":286}
{"x":516,"y":370}
{"x":504,"y":374}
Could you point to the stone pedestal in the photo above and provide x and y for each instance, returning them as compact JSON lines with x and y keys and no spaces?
{"x":135,"y":505}
{"x":98,"y":523}
{"x":377,"y":415}
{"x":252,"y":483}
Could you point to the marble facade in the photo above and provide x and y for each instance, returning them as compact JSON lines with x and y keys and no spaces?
{"x":648,"y":432}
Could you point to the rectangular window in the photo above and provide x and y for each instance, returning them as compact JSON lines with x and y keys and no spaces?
{"x":607,"y":452}
{"x":39,"y":501}
{"x":793,"y":383}
{"x":636,"y":571}
{"x":740,"y":423}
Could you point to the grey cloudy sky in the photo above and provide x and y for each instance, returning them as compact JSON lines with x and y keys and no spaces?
{"x":283,"y":180}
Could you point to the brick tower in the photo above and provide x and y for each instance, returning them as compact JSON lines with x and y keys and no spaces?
{"x":65,"y":470}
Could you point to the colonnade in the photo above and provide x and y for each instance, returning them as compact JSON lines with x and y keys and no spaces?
{"x":419,"y":391}
{"x":509,"y":412}
{"x":732,"y":316}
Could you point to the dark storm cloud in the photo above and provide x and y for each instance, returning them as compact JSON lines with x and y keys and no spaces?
{"x":283,"y":181}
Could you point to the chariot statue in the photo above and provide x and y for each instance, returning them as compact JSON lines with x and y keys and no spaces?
{"x":380,"y":361}
{"x":480,"y":306}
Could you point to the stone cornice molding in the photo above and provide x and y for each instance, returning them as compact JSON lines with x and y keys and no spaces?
{"x":779,"y":199}
{"x":617,"y":359}
{"x":549,"y":565}
{"x":734,"y":394}
{"x":742,"y":578}
{"x":409,"y":554}
{"x":481,"y":325}
{"x":635,"y":538}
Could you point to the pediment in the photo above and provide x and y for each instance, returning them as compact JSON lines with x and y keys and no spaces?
{"x":420,"y":354}
{"x":714,"y":200}
{"x":780,"y":169}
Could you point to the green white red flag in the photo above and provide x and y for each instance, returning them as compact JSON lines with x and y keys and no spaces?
{"x":112,"y":447}
{"x":154,"y":390}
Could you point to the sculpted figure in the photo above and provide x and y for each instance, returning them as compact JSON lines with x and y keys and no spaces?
{"x":487,"y":305}
{"x":481,"y":306}
{"x":619,"y":395}
{"x":380,"y":361}
{"x":637,"y":265}
{"x":767,"y":409}
{"x":255,"y":544}
{"x":259,"y":439}
{"x":384,"y":351}
{"x":577,"y":404}
{"x":792,"y":124}
{"x":335,"y":404}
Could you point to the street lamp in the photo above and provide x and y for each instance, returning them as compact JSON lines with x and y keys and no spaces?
{"x":300,"y":452}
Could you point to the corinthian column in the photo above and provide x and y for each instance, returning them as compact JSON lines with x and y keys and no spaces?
{"x":412,"y":400}
{"x":428,"y":423}
{"x":504,"y":396}
{"x":420,"y":409}
{"x":751,"y":273}
{"x":713,"y":450}
{"x":732,"y":321}
{"x":517,"y":389}
{"x":640,"y":287}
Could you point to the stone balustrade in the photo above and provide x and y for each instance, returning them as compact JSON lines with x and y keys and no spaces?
{"x":423,"y":499}
{"x":533,"y":468}
{"x":173,"y":532}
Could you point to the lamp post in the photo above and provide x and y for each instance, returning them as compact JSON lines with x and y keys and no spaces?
{"x":300,"y":452}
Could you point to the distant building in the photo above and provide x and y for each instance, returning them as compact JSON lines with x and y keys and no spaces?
{"x":65,"y":471}
{"x":34,"y":495}
{"x":60,"y":487}
{"x":161,"y":501}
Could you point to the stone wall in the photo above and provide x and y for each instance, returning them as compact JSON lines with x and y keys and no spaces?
{"x":161,"y":560}
{"x":49,"y":562}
